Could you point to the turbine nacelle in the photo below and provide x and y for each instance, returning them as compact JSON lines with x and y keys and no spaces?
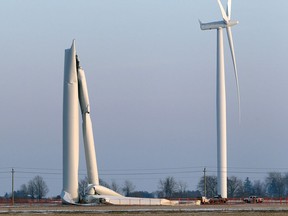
{"x":217,"y":25}
{"x":226,"y":23}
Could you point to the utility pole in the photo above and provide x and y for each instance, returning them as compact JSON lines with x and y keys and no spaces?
{"x":204,"y":181}
{"x":13,"y":186}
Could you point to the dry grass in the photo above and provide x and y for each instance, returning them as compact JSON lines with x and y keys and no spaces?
{"x":209,"y":210}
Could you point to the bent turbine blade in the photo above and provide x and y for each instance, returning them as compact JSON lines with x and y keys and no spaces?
{"x":228,"y":10}
{"x":231,"y":44}
{"x":89,"y":147}
{"x":224,"y":15}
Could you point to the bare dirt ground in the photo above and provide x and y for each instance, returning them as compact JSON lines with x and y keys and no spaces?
{"x":209,"y":210}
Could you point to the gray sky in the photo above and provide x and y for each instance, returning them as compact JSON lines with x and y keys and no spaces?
{"x":151,"y":79}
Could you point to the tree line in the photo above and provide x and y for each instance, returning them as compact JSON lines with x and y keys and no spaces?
{"x":275,"y":185}
{"x":35,"y":188}
{"x":167,"y":188}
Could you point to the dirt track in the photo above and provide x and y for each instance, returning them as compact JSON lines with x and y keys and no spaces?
{"x":159,"y":214}
{"x":217,"y":210}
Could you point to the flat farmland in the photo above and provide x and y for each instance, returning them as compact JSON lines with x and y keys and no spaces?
{"x":182,"y":210}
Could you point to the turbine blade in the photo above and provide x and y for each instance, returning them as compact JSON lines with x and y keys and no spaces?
{"x":230,"y":39}
{"x":200,"y":24}
{"x":224,"y":15}
{"x":228,"y":10}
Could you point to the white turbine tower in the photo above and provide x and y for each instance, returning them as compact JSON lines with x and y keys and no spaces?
{"x":75,"y":93}
{"x":221,"y":92}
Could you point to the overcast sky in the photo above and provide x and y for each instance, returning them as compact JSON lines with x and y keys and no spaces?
{"x":151,"y":75}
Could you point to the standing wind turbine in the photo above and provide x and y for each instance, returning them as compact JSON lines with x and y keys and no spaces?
{"x":221,"y":92}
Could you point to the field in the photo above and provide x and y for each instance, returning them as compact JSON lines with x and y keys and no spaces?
{"x":217,"y":210}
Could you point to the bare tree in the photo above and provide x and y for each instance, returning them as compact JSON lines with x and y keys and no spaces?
{"x":31,"y":189}
{"x":41,"y":187}
{"x":37,"y":187}
{"x":182,"y":187}
{"x":128,"y":187}
{"x":104,"y":183}
{"x":275,"y":183}
{"x":82,"y":185}
{"x":182,"y":190}
{"x":24,"y":190}
{"x":259,"y":188}
{"x":211,"y":185}
{"x":234,"y":186}
{"x":115,"y":187}
{"x":168,"y":187}
{"x":286,"y":183}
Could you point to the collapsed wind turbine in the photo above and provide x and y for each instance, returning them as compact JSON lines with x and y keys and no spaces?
{"x":221,"y":92}
{"x":75,"y":89}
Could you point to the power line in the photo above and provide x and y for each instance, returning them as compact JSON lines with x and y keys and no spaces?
{"x":145,"y":171}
